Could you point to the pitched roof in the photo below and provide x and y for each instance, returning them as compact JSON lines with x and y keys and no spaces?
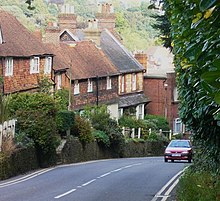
{"x":17,"y":40}
{"x":132,"y":100}
{"x":86,"y":59}
{"x":118,"y":54}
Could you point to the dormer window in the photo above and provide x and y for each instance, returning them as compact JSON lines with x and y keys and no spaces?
{"x":76,"y":87}
{"x":109,"y":83}
{"x":48,"y":65}
{"x":9,"y":66}
{"x":34,"y":65}
{"x":90,"y":86}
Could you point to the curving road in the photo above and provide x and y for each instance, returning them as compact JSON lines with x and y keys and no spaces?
{"x":133,"y":179}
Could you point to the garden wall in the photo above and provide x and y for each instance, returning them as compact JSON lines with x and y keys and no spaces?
{"x":74,"y":151}
{"x":20,"y":161}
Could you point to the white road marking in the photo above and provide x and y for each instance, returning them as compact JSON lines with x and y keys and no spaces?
{"x":104,"y":175}
{"x":166,"y":195}
{"x":64,"y":194}
{"x":93,"y":180}
{"x":89,"y":182}
{"x":25,"y":178}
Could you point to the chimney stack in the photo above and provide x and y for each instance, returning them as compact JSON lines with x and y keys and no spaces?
{"x":92,"y":32}
{"x":106,"y":16}
{"x":141,"y":57}
{"x":67,"y":18}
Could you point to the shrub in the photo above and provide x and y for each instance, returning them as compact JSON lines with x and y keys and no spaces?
{"x":35,"y":114}
{"x":64,"y":120}
{"x":160,"y":122}
{"x":101,"y":137}
{"x":82,"y":129}
{"x":200,"y":186}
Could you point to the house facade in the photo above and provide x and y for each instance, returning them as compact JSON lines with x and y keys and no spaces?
{"x":25,"y":61}
{"x":160,"y":86}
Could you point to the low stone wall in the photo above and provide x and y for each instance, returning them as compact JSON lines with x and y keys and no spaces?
{"x":143,"y":149}
{"x":20,"y":161}
{"x":74,"y":151}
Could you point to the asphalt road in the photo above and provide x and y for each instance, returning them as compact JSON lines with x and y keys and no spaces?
{"x":134,"y":179}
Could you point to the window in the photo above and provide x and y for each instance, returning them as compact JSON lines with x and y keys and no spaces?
{"x":120,"y":112}
{"x":9,"y":66}
{"x":48,"y":65}
{"x":90,"y":87}
{"x":59,"y":81}
{"x":76,"y":87}
{"x":122,"y":83}
{"x":178,"y":126}
{"x":109,"y":83}
{"x":34,"y":65}
{"x":133,"y":81}
{"x":140,"y":111}
{"x":175,"y":95}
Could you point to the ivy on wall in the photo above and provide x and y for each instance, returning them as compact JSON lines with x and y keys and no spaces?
{"x":195,"y":33}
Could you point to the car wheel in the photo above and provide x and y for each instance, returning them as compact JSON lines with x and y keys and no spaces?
{"x":189,"y":160}
{"x":172,"y":160}
{"x":165,"y":160}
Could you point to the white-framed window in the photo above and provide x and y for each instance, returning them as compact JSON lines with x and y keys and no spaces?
{"x":109,"y":83}
{"x":120,"y":112}
{"x":59,"y":81}
{"x":133,"y":81}
{"x":178,"y":125}
{"x":175,"y":95}
{"x":90,"y":86}
{"x":76,"y":87}
{"x":140,"y":111}
{"x":9,"y":66}
{"x":34,"y":65}
{"x":122,"y":83}
{"x":48,"y":65}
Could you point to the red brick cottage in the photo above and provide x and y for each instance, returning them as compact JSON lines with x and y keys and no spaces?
{"x":24,"y":59}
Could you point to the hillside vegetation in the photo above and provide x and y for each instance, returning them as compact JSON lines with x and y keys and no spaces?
{"x":134,"y":21}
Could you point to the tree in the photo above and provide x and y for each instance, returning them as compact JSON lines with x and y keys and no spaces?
{"x":195,"y":40}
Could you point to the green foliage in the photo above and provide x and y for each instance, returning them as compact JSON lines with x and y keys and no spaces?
{"x":4,"y":104}
{"x":82,"y":129}
{"x":100,"y":120}
{"x":35,"y":114}
{"x":156,"y":137}
{"x":161,"y":122}
{"x":65,"y":120}
{"x":195,"y":35}
{"x":101,"y":137}
{"x":200,"y":186}
{"x":45,"y":85}
{"x":62,"y":97}
{"x":23,"y":141}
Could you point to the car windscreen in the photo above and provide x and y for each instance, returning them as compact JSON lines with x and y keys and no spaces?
{"x":179,"y":144}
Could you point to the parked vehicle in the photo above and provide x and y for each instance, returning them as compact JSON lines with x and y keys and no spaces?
{"x":178,"y":150}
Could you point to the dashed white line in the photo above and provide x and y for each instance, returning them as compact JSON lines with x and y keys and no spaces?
{"x":64,"y":194}
{"x":89,"y":182}
{"x":93,"y":180}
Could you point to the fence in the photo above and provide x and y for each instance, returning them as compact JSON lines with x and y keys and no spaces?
{"x":137,"y":133}
{"x":7,"y":131}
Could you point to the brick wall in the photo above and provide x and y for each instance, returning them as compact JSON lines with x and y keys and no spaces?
{"x":154,"y":89}
{"x":104,"y":96}
{"x":22,"y":79}
{"x":161,"y":97}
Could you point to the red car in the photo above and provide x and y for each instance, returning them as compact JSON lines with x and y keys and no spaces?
{"x":178,"y":150}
